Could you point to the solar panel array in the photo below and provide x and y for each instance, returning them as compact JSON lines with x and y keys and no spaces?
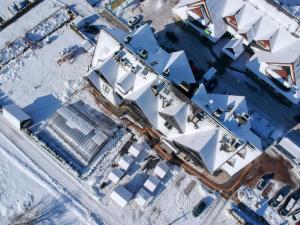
{"x":81,"y":138}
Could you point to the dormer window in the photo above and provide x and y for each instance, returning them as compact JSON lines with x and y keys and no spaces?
{"x":168,"y":125}
{"x":218,"y":112}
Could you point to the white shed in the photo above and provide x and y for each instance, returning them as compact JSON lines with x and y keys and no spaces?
{"x":125,"y":161}
{"x":115,"y":175}
{"x":161,"y":170}
{"x":16,"y":116}
{"x":86,"y":45}
{"x":79,"y":22}
{"x":234,"y":48}
{"x":134,"y":151}
{"x":151,"y":183}
{"x":142,"y":197}
{"x":121,"y":196}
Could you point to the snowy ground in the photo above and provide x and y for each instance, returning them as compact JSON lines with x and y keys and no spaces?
{"x":28,"y":21}
{"x":22,"y":186}
{"x":36,"y":82}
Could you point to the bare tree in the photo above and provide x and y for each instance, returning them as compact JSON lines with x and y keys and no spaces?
{"x":46,"y":210}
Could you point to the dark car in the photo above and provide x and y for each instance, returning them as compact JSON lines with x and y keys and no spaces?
{"x":263,"y":181}
{"x":296,"y":215}
{"x":199,"y":208}
{"x":211,"y":84}
{"x":261,"y":184}
{"x":286,"y":208}
{"x":279,"y":196}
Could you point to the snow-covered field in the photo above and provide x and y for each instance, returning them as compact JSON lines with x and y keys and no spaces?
{"x":28,"y":21}
{"x":23,"y":186}
{"x":38,"y":83}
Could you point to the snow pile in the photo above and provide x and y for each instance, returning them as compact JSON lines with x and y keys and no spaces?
{"x":253,"y":199}
{"x":12,"y":50}
{"x":48,"y":26}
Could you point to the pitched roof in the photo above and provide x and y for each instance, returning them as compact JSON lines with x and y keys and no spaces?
{"x":146,"y":100}
{"x":178,"y":112}
{"x":205,"y":142}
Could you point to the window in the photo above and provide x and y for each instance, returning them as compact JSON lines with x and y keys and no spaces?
{"x":168,"y":125}
{"x":105,"y":88}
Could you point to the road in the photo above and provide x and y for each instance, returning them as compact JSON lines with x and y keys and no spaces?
{"x":76,"y":190}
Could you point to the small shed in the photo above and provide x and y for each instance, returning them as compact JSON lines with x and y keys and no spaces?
{"x":134,"y":151}
{"x":125,"y":161}
{"x":151,"y":183}
{"x":16,"y":116}
{"x":115,"y":175}
{"x":142,"y":197}
{"x":121,"y":196}
{"x":161,"y":170}
{"x":234,"y":48}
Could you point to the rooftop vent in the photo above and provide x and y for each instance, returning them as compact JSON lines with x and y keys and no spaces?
{"x":242,"y":119}
{"x":117,"y":55}
{"x":127,"y":39}
{"x":156,"y":88}
{"x":143,"y":53}
{"x":166,"y":73}
{"x":218,"y":112}
{"x":185,"y":86}
{"x":230,"y":107}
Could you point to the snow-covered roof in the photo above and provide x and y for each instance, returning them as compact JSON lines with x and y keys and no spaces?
{"x":231,"y":106}
{"x":121,"y":196}
{"x":133,"y":150}
{"x":142,"y":197}
{"x":16,"y":112}
{"x":152,"y":183}
{"x":125,"y":161}
{"x":234,"y":48}
{"x":246,"y":17}
{"x":146,"y":101}
{"x":161,"y":170}
{"x":291,"y":147}
{"x":159,"y":59}
{"x":264,"y":29}
{"x":205,"y":142}
{"x":178,"y":112}
{"x":287,"y":55}
{"x":115,"y":175}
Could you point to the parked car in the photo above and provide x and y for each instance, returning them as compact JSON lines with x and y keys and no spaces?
{"x":199,"y":208}
{"x":287,"y":206}
{"x":134,"y":20}
{"x":263,"y":181}
{"x":261,"y":184}
{"x":296,"y":215}
{"x":279,"y":196}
